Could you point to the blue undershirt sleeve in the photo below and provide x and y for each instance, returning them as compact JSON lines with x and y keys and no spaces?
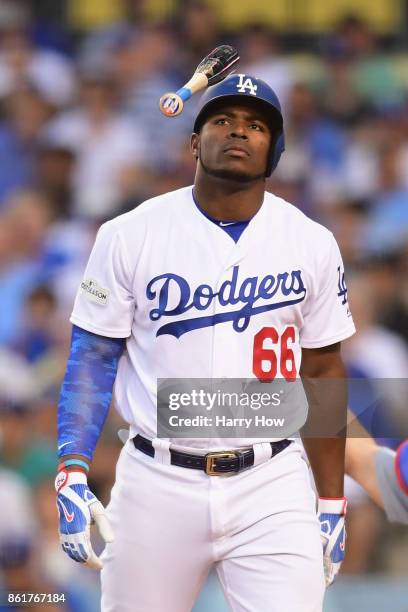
{"x":86,"y":391}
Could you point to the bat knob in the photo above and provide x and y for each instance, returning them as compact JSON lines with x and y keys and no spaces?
{"x":171,"y":104}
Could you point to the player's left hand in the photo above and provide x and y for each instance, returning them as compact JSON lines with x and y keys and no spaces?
{"x":78,"y":508}
{"x":331,"y":514}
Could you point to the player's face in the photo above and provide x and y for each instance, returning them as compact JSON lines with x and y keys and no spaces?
{"x":234,"y":143}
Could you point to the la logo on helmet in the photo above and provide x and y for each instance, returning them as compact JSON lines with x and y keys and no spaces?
{"x":246,"y":83}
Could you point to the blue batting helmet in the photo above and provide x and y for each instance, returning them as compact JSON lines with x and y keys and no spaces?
{"x":239,"y":86}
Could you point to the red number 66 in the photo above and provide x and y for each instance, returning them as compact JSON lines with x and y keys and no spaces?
{"x":265,"y":361}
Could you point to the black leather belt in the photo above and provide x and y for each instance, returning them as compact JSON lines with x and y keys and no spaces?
{"x":213,"y":464}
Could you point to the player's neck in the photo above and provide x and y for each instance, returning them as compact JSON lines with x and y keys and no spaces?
{"x":228,"y":200}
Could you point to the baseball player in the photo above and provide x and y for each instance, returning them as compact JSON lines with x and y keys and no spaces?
{"x":381,"y":471}
{"x":217,"y":280}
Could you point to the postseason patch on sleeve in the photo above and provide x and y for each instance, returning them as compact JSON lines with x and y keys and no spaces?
{"x":94,"y":292}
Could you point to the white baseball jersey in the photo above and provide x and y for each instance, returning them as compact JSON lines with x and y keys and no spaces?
{"x":192,"y":303}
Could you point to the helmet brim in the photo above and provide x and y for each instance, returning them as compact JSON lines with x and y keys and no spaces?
{"x":272,"y":116}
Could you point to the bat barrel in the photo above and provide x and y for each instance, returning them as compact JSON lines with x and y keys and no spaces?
{"x":211,"y":70}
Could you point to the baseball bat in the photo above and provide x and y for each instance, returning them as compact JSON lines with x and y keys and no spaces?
{"x":212,"y":69}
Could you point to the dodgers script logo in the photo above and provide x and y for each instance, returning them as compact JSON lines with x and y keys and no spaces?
{"x":174,"y":296}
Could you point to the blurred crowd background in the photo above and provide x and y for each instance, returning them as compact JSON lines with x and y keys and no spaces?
{"x":82,"y":140}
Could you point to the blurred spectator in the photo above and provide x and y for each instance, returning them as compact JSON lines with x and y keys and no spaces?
{"x":54,"y":174}
{"x":380,"y":355}
{"x":109,"y":149}
{"x":17,"y":523}
{"x":373,"y":77}
{"x":23,"y":448}
{"x":338,"y":96}
{"x":26,"y":218}
{"x":146,"y":65}
{"x":32,"y":457}
{"x":66,"y":249}
{"x":387,"y":227}
{"x":388,"y":280}
{"x":260,"y":49}
{"x":347,"y":220}
{"x":197,"y":24}
{"x":19,"y":567}
{"x":20,"y":63}
{"x":20,"y":137}
{"x":315,"y":149}
{"x":361,"y":160}
{"x":97,"y":50}
{"x":18,"y":383}
{"x":38,"y":330}
{"x":374,"y":350}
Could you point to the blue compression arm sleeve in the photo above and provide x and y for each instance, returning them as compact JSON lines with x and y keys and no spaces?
{"x":86,"y":392}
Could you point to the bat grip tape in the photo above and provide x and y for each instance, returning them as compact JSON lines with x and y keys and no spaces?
{"x":184,"y":93}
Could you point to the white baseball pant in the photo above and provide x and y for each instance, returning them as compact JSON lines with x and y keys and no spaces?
{"x":172,"y":525}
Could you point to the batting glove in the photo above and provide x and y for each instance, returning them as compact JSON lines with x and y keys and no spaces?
{"x":331,"y":514}
{"x":78,"y":509}
{"x":401,"y":466}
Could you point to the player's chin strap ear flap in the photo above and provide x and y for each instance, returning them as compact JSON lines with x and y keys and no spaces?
{"x":275,"y":154}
